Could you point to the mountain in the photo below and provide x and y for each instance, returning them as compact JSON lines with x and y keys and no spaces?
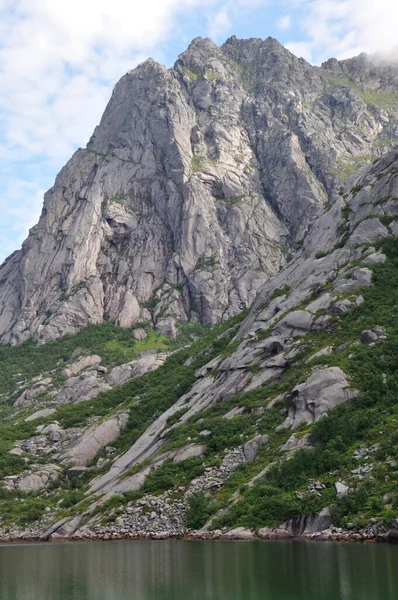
{"x":193,"y":189}
{"x":223,"y":259}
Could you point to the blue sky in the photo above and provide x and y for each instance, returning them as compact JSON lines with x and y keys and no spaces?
{"x":59,"y":61}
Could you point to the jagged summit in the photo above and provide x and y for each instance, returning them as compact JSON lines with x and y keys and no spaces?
{"x":194,"y":187}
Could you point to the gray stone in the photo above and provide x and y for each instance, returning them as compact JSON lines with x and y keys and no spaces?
{"x":293,"y":324}
{"x":295,"y":443}
{"x":322,"y":323}
{"x":341,"y":489}
{"x":41,"y":414}
{"x":368,"y":337}
{"x":162,"y":181}
{"x":39,"y":477}
{"x":375,"y":258}
{"x":167,"y":327}
{"x":251,"y":448}
{"x":309,"y":524}
{"x":321,"y":303}
{"x":341,"y":307}
{"x":368,"y":231}
{"x":139,"y":334}
{"x":379,"y":331}
{"x":75,"y":472}
{"x":239,"y":533}
{"x":311,"y":400}
{"x":80,"y":365}
{"x":189,"y":452}
{"x":119,"y":375}
{"x":205,"y":433}
{"x":84,"y":449}
{"x":16,"y":452}
{"x":83,"y":387}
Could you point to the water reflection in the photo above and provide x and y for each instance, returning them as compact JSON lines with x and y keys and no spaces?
{"x":198,"y":571}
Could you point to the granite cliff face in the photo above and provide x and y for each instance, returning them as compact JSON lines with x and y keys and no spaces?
{"x":194,"y":187}
{"x":280,"y":422}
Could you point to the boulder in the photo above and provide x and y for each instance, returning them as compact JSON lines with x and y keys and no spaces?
{"x":41,"y":414}
{"x":167,"y":327}
{"x":16,"y":452}
{"x":368,"y":231}
{"x":84,"y":362}
{"x":38,"y":478}
{"x":341,"y":489}
{"x":295,"y":443}
{"x":379,"y":331}
{"x":190,"y":451}
{"x":309,"y":524}
{"x":53,"y":431}
{"x":251,"y":448}
{"x":311,"y":400}
{"x":119,"y":375}
{"x":375,"y":258}
{"x":83,"y":387}
{"x":321,"y":303}
{"x":28,"y":396}
{"x":84,"y":449}
{"x":322,"y":323}
{"x":139,"y":334}
{"x":341,"y":307}
{"x":149,"y":360}
{"x":323,"y":352}
{"x":239,"y":533}
{"x":353,"y":280}
{"x":237,"y":411}
{"x":368,"y":337}
{"x":205,"y":433}
{"x":75,"y":472}
{"x":295,"y":323}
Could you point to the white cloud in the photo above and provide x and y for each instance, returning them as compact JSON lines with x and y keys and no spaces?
{"x":344,"y":28}
{"x":219,"y":24}
{"x":285,"y":22}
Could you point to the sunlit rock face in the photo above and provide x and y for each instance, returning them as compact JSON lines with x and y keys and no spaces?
{"x":197,"y":182}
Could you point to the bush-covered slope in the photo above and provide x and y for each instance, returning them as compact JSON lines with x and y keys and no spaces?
{"x":272,"y":416}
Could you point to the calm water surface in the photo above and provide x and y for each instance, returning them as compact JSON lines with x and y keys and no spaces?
{"x":176,"y":570}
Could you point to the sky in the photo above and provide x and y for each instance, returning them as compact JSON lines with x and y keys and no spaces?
{"x":59,"y":61}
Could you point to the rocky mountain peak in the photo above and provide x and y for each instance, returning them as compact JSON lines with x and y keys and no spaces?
{"x":193,"y":189}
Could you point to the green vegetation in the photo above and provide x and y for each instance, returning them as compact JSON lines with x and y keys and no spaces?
{"x":199,"y":510}
{"x":206,"y":262}
{"x":114,"y":344}
{"x":194,"y":75}
{"x":171,"y":474}
{"x":198,"y":163}
{"x":369,"y":421}
{"x":285,"y":290}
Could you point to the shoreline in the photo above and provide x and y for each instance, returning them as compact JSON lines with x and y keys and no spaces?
{"x":244,"y":535}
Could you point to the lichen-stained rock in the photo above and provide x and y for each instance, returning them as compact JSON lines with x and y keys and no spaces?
{"x":251,"y":448}
{"x":193,"y":185}
{"x":38,"y":389}
{"x":295,"y":443}
{"x":149,"y":360}
{"x":85,"y":448}
{"x":83,"y":387}
{"x":294,"y":324}
{"x":190,"y":451}
{"x":83,"y":363}
{"x":39,"y":414}
{"x":311,"y":400}
{"x":38,"y":477}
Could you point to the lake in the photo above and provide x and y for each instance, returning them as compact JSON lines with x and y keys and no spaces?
{"x":184,"y":570}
